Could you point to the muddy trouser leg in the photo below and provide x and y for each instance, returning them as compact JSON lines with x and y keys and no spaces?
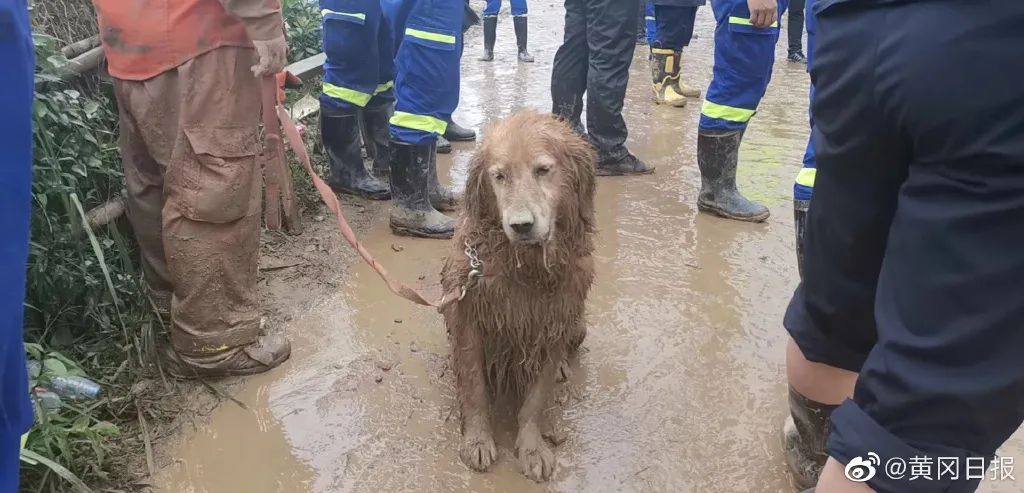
{"x":569,"y":71}
{"x":145,"y":155}
{"x":915,"y":230}
{"x":212,"y":214}
{"x":611,"y":39}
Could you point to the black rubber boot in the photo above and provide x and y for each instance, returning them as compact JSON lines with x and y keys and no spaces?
{"x":520,"y":23}
{"x":804,"y":436}
{"x":490,"y":35}
{"x":377,"y":136}
{"x":458,"y":133}
{"x":800,"y":225}
{"x":412,"y":214}
{"x":626,"y":165}
{"x":340,"y":134}
{"x":442,"y":198}
{"x":443,"y":146}
{"x":717,"y":156}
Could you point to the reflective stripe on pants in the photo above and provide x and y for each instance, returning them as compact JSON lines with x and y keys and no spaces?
{"x":360,"y":54}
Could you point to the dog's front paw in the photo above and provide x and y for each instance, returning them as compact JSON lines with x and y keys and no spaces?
{"x":536,"y":461}
{"x":564,"y":372}
{"x":478,"y":451}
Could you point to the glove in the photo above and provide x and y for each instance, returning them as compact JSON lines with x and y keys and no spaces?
{"x":273,"y":56}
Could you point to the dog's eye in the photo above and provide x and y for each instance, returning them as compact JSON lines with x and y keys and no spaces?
{"x":499,"y":176}
{"x":542,"y":170}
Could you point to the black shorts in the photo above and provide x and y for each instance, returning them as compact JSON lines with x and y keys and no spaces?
{"x":914,"y":250}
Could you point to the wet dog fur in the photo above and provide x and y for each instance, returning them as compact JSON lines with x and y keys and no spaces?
{"x":529,"y":213}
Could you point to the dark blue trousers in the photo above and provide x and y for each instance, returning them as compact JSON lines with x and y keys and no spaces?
{"x":674,"y":27}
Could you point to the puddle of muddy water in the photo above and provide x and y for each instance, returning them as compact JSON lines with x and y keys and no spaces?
{"x":679,"y":387}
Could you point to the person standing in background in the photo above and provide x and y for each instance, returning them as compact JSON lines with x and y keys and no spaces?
{"x":795,"y":30}
{"x":16,"y":90}
{"x":745,"y":38}
{"x":594,"y":59}
{"x":519,"y":22}
{"x":674,"y":21}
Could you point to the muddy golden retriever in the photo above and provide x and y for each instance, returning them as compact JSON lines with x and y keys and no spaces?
{"x":528,"y":219}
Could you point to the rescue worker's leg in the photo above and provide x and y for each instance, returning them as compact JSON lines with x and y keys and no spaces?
{"x":675,"y":28}
{"x":520,"y":23}
{"x":145,"y":156}
{"x":211,"y":220}
{"x":352,"y":78}
{"x":650,"y":23}
{"x":427,"y":89}
{"x":375,"y":116}
{"x":641,"y":25}
{"x":570,"y":66}
{"x":944,"y":377}
{"x":744,"y":56}
{"x":490,"y":28}
{"x":611,"y":39}
{"x":795,"y":31}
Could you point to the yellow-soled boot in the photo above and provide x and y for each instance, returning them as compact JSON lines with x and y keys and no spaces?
{"x":665,"y":78}
{"x":681,"y":86}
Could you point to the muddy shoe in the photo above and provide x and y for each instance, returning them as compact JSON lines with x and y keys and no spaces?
{"x":520,"y":24}
{"x":441,"y":197}
{"x":623,"y":166}
{"x":665,"y":78}
{"x":267,"y":352}
{"x":804,"y":436}
{"x":412,"y":213}
{"x":457,"y":133}
{"x":717,"y":156}
{"x":376,"y":137}
{"x":490,"y":35}
{"x":341,"y":138}
{"x":443,"y":146}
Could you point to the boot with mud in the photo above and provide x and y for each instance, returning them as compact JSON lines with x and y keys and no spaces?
{"x":457,"y":133}
{"x":443,"y":146}
{"x":377,"y":137}
{"x":684,"y":89}
{"x":625,"y":165}
{"x":665,"y":78}
{"x":348,"y":174}
{"x":804,"y":436}
{"x":412,"y":213}
{"x":490,"y":36}
{"x":442,"y":198}
{"x":717,"y":158}
{"x":800,"y":208}
{"x":520,"y":23}
{"x":268,"y":352}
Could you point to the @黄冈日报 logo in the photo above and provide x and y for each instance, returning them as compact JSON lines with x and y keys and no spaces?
{"x":860,"y":470}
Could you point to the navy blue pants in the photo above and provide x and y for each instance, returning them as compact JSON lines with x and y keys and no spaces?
{"x":803,"y":189}
{"x":913,"y":260}
{"x":650,"y":23}
{"x":674,"y":27}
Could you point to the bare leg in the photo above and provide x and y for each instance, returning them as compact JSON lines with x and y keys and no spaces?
{"x":535,"y":457}
{"x":834,"y":481}
{"x":816,"y":381}
{"x":477,"y":450}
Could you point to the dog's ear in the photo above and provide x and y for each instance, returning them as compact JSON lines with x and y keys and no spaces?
{"x":480,"y":204}
{"x":580,"y":160}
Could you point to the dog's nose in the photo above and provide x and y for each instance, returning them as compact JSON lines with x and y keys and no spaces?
{"x":523,"y":226}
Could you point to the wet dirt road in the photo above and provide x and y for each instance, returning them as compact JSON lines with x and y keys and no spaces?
{"x":679,"y":388}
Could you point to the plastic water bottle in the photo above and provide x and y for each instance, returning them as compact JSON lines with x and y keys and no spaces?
{"x":74,"y":387}
{"x":47,"y":400}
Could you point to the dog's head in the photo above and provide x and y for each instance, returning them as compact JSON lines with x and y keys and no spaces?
{"x":534,"y":176}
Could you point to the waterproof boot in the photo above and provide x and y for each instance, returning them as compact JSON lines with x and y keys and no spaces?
{"x":800,"y":225}
{"x":376,"y":137}
{"x":412,"y":214}
{"x":804,"y":436}
{"x":441,"y":197}
{"x":684,"y":89}
{"x":340,"y":134}
{"x":665,"y":78}
{"x":717,"y":156}
{"x":443,"y":146}
{"x":520,"y":23}
{"x":457,"y":133}
{"x":623,"y":166}
{"x":490,"y":35}
{"x":268,"y":352}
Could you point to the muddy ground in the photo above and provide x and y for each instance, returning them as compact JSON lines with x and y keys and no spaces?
{"x":679,"y":387}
